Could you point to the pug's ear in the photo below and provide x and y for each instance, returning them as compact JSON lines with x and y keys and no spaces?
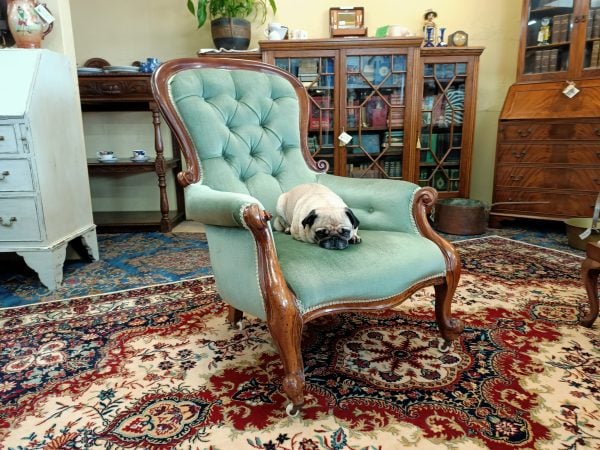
{"x":353,"y":219}
{"x":310,"y":219}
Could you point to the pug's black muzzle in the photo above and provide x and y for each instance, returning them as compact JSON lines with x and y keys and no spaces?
{"x":333,"y":243}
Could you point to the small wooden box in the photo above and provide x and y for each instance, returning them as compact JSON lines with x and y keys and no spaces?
{"x":347,"y":22}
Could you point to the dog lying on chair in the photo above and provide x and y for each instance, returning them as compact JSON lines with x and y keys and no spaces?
{"x":313,"y":213}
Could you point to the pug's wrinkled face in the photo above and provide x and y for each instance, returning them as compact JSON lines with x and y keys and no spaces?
{"x":332,"y":229}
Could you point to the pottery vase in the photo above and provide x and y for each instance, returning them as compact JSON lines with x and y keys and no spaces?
{"x":26,"y":26}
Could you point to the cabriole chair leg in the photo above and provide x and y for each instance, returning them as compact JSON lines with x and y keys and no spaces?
{"x":450,"y":327}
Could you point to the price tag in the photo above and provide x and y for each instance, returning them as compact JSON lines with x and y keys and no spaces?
{"x":570,"y":91}
{"x":44,"y":14}
{"x":344,"y":138}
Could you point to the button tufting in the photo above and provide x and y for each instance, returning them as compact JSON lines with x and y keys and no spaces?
{"x":371,"y":209}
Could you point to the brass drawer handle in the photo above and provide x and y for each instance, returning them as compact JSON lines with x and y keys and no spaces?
{"x":111,"y":89}
{"x":4,"y":174}
{"x":597,"y":131}
{"x":9,"y":223}
{"x":516,"y":177}
{"x":524,"y":133}
{"x":520,"y":155}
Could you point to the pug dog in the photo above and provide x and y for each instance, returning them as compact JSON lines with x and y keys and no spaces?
{"x":314,"y":213}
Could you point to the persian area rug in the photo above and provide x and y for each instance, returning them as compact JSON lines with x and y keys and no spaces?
{"x":127,"y":260}
{"x":159,"y":368}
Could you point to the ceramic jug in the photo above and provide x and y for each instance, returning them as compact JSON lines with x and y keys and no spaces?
{"x":26,"y":26}
{"x":275,"y":31}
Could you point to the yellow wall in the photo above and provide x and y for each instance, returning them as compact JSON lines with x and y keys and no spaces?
{"x":124,"y":31}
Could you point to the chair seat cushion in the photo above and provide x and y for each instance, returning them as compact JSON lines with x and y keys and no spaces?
{"x":381,"y":266}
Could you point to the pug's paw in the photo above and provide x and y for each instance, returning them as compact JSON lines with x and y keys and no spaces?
{"x":355,"y":239}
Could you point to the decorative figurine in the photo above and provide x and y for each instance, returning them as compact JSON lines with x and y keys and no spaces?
{"x":429,"y":28}
{"x":544,"y":33}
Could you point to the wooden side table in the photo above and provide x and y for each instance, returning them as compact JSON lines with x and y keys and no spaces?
{"x":590,"y":270}
{"x":131,"y":92}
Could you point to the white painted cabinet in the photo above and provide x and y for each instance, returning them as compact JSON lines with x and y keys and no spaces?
{"x":44,"y":188}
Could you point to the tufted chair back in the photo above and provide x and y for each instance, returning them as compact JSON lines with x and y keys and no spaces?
{"x":245,"y":126}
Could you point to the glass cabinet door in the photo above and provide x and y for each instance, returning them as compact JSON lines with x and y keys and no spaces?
{"x":591,"y":58}
{"x":373,"y":114}
{"x":317,"y":75}
{"x":440,"y":144}
{"x":548,"y":36}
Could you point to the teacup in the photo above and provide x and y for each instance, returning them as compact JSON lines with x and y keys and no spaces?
{"x":139,"y":154}
{"x":105,"y":155}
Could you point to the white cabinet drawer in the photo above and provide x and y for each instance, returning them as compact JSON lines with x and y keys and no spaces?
{"x":8,"y":138}
{"x":19,"y":219}
{"x":15,"y":175}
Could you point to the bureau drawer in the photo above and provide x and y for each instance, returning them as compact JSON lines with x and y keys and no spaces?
{"x":550,"y":154}
{"x":15,"y":175}
{"x":8,"y":139}
{"x":549,"y":131}
{"x":544,"y":204}
{"x":108,"y":89}
{"x":548,"y":178}
{"x":19,"y":219}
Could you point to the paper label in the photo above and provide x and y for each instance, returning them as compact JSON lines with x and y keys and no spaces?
{"x":570,"y":91}
{"x":344,"y":138}
{"x":585,"y":234}
{"x":44,"y":14}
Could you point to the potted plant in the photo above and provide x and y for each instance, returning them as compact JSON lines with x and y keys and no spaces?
{"x":230,"y":29}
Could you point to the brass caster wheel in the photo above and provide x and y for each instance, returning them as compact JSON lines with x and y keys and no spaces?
{"x":292,"y":410}
{"x":240,"y":325}
{"x":445,"y":346}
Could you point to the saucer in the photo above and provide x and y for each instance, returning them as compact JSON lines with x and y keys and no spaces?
{"x":144,"y":159}
{"x":108,"y":160}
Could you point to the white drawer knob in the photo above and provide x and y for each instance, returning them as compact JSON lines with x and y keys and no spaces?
{"x":4,"y":174}
{"x":7,"y":222}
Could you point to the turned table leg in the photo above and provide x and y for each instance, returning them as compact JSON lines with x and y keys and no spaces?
{"x":590,"y":270}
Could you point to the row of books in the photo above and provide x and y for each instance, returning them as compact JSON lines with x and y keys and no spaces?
{"x":546,"y":61}
{"x":595,"y":55}
{"x":392,"y":169}
{"x":560,"y":28}
{"x":593,"y":24}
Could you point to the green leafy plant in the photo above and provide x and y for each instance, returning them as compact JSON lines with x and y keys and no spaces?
{"x":202,"y":9}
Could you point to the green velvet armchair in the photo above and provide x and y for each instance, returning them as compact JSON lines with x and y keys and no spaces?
{"x":242,"y":126}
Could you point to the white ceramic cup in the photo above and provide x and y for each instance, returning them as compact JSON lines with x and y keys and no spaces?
{"x":300,"y":34}
{"x":139,"y":154}
{"x":105,"y":155}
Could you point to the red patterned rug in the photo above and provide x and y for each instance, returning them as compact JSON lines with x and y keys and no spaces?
{"x":158,"y":368}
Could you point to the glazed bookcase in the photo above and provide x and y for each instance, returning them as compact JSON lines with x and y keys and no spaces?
{"x":548,"y":145}
{"x":384,"y":94}
{"x":571,"y":49}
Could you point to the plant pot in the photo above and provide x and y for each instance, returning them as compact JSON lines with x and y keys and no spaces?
{"x":230,"y":33}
